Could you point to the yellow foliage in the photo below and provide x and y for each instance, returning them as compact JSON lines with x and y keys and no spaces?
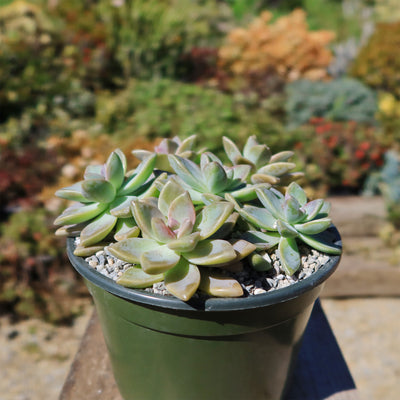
{"x":285,"y":46}
{"x":388,"y":105}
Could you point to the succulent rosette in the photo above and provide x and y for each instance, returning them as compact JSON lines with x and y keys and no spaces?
{"x":283,"y":220}
{"x":175,"y":241}
{"x":187,"y":219}
{"x":102,"y":201}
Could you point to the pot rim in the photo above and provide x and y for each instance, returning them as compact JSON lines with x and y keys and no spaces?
{"x":210,"y":304}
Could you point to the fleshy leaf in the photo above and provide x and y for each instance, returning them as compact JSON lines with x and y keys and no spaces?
{"x":271,"y":202}
{"x":98,"y":229}
{"x":185,"y":243}
{"x":219,"y":285}
{"x":121,"y":206}
{"x":186,"y":144}
{"x":180,"y":209}
{"x":295,"y":191}
{"x":285,"y":229}
{"x":161,"y":232}
{"x":158,"y":260}
{"x":215,"y":177}
{"x":189,"y":172}
{"x":73,"y":192}
{"x":259,"y":217}
{"x":76,"y":215}
{"x":262,"y":240}
{"x":131,"y":249}
{"x":260,"y":263}
{"x":291,"y":210}
{"x":259,"y":155}
{"x":168,"y":194}
{"x":136,"y":278}
{"x":183,"y":280}
{"x":115,"y":171}
{"x":281,"y":156}
{"x":289,"y":255}
{"x":314,"y":227}
{"x":140,"y":176}
{"x":263,"y":178}
{"x":81,"y":251}
{"x":313,"y":208}
{"x":98,"y":190}
{"x":231,"y":149}
{"x":126,"y":228}
{"x":185,"y":229}
{"x":211,"y":252}
{"x":277,"y":169}
{"x":226,"y":228}
{"x":211,"y":218}
{"x":242,"y":247}
{"x":321,"y":242}
{"x":144,"y":211}
{"x":94,"y":172}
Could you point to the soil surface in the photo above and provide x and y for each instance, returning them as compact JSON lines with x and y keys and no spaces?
{"x":35,"y":357}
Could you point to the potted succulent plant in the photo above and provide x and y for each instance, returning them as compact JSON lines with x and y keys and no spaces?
{"x":203,"y":274}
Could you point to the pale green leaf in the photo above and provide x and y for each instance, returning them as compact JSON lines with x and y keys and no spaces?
{"x":144,"y":211}
{"x":180,"y":210}
{"x":289,"y":255}
{"x":136,"y":278}
{"x":262,"y":240}
{"x":189,"y":172}
{"x":183,"y":280}
{"x":219,"y":285}
{"x":314,"y":227}
{"x":98,"y":190}
{"x":131,"y":249}
{"x":294,"y":190}
{"x":76,"y":215}
{"x":73,"y":192}
{"x":98,"y":229}
{"x":158,"y":260}
{"x":185,"y":243}
{"x":322,"y":242}
{"x":115,"y":171}
{"x":211,"y":252}
{"x":212,"y":217}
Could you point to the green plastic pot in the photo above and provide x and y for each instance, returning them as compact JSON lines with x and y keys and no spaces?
{"x":164,"y":349}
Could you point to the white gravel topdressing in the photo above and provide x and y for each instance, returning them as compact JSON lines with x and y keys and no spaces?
{"x":253,"y":282}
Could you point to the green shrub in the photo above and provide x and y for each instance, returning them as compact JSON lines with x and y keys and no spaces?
{"x":164,"y":108}
{"x":343,"y":99}
{"x":378,"y":63}
{"x":150,"y":36}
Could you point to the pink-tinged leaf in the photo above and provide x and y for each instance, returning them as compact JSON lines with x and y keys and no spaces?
{"x":185,"y":244}
{"x":211,"y":252}
{"x":76,"y":215}
{"x":171,"y":190}
{"x":98,"y":229}
{"x":144,"y":211}
{"x":161,"y":232}
{"x":115,"y":171}
{"x":136,"y":278}
{"x":181,"y":209}
{"x":212,"y":217}
{"x":131,"y":249}
{"x":185,"y":229}
{"x":183,"y":280}
{"x":289,"y":255}
{"x":219,"y":285}
{"x":159,"y":260}
{"x":98,"y":190}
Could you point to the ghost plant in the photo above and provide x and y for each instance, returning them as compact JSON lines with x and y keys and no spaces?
{"x":186,"y":220}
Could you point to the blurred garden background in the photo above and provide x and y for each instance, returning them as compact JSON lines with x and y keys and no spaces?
{"x":80,"y":77}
